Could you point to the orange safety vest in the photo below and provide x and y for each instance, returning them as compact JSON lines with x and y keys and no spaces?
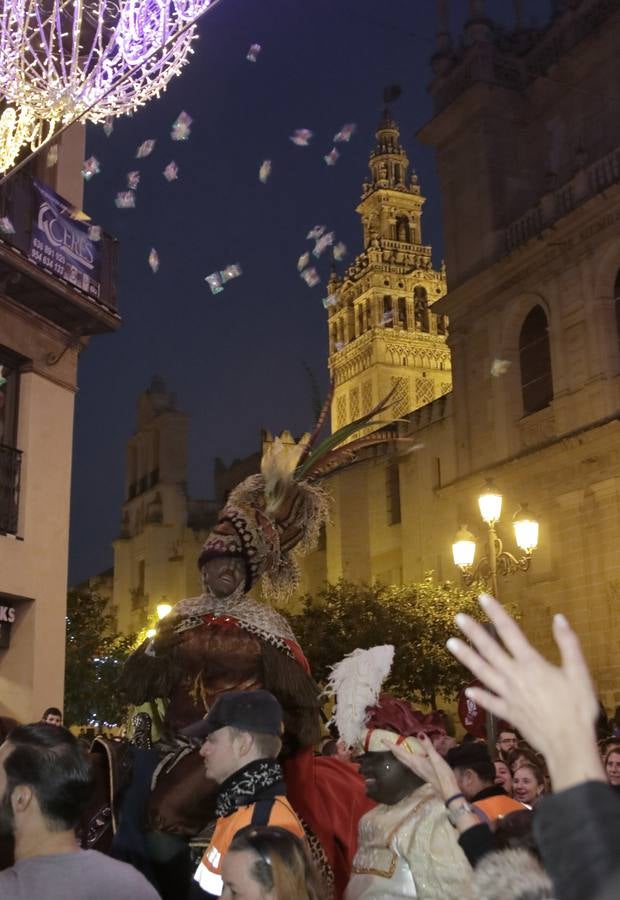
{"x":497,"y":807}
{"x":208,"y":873}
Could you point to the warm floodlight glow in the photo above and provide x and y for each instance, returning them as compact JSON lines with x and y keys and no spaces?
{"x":464,"y":548}
{"x":490,"y":504}
{"x":63,"y":56}
{"x":526,"y":530}
{"x":151,"y":632}
{"x":163,"y":609}
{"x":20,"y":127}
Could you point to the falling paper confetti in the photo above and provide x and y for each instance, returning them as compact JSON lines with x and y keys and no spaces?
{"x":345,"y":133}
{"x":339,"y":345}
{"x":311,"y":277}
{"x":90,"y":167}
{"x":232,"y":271}
{"x":52,"y":156}
{"x":323,"y":242}
{"x":253,"y":52}
{"x":6,"y":226}
{"x":154,"y":260}
{"x":339,"y":251}
{"x":181,"y":127}
{"x":125,"y":199}
{"x":133,"y":180}
{"x":94,"y":232}
{"x":499,"y":367}
{"x":301,"y":137}
{"x":265,"y":170}
{"x":78,"y":215}
{"x":331,"y":158}
{"x":387,"y":317}
{"x":145,"y":149}
{"x":108,"y":127}
{"x":215,"y":283}
{"x":315,"y":233}
{"x":303,"y":261}
{"x":330,"y":300}
{"x":171,"y":172}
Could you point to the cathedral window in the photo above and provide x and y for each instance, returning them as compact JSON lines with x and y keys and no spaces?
{"x":403,"y":229}
{"x":420,"y":309}
{"x":388,"y":314}
{"x":535,"y":359}
{"x":402,"y":312}
{"x":392,"y":493}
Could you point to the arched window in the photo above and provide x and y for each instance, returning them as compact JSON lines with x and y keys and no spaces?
{"x":420,"y":309}
{"x":403,"y":229}
{"x":535,"y":359}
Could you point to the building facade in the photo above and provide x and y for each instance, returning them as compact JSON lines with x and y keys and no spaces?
{"x":49,"y":308}
{"x":528,"y":151}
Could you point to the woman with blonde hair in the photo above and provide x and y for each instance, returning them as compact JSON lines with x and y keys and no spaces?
{"x":269,"y":863}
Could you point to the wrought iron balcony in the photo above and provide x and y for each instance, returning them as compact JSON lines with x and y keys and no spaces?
{"x":10,"y":468}
{"x":52,"y":263}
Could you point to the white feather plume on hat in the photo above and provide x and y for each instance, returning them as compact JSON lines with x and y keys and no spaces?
{"x":356,"y":683}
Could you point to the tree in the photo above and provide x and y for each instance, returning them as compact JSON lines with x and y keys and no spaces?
{"x":417,"y":618}
{"x":95,"y":653}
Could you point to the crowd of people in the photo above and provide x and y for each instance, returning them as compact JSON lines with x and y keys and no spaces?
{"x":535,"y":816}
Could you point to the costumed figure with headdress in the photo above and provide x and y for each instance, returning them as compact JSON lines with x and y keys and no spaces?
{"x":407,"y":846}
{"x":224,"y":640}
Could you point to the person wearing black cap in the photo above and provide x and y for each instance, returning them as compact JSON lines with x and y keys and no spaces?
{"x":475,"y":776}
{"x":241,"y":744}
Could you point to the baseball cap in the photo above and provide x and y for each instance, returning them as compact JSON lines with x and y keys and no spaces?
{"x":257,"y":711}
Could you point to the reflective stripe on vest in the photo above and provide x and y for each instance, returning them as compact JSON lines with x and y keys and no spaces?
{"x":209,"y":881}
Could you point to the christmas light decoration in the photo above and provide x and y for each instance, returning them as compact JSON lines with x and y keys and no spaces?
{"x":20,"y":127}
{"x":96,"y":59}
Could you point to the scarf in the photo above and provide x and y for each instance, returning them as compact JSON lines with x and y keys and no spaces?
{"x":259,"y":780}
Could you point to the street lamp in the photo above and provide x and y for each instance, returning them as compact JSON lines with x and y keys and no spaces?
{"x":163,"y":609}
{"x":497,"y":560}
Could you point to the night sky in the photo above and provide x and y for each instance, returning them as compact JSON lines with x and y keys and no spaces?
{"x":237,"y":361}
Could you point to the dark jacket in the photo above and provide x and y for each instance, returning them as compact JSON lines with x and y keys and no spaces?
{"x":578,"y":834}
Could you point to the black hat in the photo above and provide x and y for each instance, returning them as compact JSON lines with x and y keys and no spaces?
{"x":257,"y":711}
{"x":468,"y":756}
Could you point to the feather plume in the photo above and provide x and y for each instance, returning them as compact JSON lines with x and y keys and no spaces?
{"x":320,"y":422}
{"x":278,"y":463}
{"x":356,"y":683}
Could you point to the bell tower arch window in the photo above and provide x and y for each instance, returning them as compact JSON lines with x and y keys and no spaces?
{"x":535,"y":359}
{"x":403,"y":229}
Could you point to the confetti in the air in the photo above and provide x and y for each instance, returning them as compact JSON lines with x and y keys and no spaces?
{"x":108,"y":127}
{"x":331,"y":158}
{"x":387,"y":317}
{"x":315,"y":233}
{"x":90,"y":167}
{"x":52,"y":156}
{"x":154,"y":260}
{"x":339,"y":251}
{"x":301,"y":137}
{"x":232,"y":271}
{"x":499,"y":367}
{"x":125,"y":199}
{"x":330,"y":300}
{"x":94,"y":232}
{"x":303,"y":261}
{"x":253,"y":53}
{"x":339,"y":345}
{"x":133,"y":180}
{"x":6,"y":226}
{"x":171,"y":172}
{"x":181,"y":129}
{"x":346,"y":132}
{"x":311,"y":277}
{"x":145,"y":148}
{"x":323,"y":243}
{"x":215,"y":283}
{"x":265,"y":170}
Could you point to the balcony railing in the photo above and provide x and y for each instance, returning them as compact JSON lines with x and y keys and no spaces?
{"x":51,"y":258}
{"x":10,"y":468}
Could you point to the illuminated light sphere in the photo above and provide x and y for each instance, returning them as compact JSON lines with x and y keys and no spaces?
{"x":60,"y":57}
{"x":20,"y":127}
{"x":464,"y":548}
{"x":526,"y":529}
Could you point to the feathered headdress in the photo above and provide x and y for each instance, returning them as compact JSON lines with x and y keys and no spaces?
{"x":365,"y":718}
{"x":268,"y":516}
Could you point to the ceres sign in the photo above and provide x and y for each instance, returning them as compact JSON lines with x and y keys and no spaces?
{"x":7,"y":617}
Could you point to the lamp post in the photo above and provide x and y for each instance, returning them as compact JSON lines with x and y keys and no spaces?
{"x":497,"y":561}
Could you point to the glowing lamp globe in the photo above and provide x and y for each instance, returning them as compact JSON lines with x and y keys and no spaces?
{"x":163,"y":609}
{"x":61,"y":57}
{"x":490,"y":504}
{"x":526,"y":530}
{"x":464,"y":548}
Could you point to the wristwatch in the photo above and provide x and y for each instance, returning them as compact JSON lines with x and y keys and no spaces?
{"x":455,"y":814}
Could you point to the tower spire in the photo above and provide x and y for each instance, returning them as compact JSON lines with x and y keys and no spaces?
{"x":388,"y":161}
